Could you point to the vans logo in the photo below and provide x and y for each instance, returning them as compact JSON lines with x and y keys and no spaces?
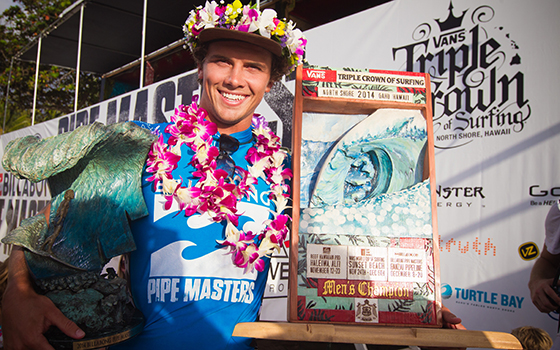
{"x":315,"y":74}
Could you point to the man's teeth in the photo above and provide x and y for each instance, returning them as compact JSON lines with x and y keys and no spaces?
{"x":233,"y":97}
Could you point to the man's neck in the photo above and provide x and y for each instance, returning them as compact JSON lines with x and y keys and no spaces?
{"x":232,"y":129}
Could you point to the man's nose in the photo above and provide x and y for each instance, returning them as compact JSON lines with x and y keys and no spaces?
{"x":235,"y":76}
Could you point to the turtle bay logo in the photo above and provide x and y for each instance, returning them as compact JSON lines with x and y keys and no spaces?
{"x":482,"y":298}
{"x":477,"y":83}
{"x":446,"y":291}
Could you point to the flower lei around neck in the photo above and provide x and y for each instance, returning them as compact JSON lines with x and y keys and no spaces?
{"x":216,"y":194}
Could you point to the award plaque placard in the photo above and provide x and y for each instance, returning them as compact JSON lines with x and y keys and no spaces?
{"x":364,"y":247}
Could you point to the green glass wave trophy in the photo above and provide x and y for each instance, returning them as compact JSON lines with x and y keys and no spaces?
{"x":94,"y":177}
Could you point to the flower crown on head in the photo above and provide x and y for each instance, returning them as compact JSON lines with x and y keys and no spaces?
{"x":248,"y":19}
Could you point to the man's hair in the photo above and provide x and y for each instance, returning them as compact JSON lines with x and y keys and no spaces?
{"x":532,"y":338}
{"x":278,"y":69}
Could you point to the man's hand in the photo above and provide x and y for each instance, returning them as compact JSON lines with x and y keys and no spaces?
{"x":450,"y":320}
{"x":540,"y":283}
{"x":543,"y":296}
{"x":26,"y":315}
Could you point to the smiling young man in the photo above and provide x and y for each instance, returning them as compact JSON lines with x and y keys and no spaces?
{"x":215,"y":189}
{"x":192,"y":290}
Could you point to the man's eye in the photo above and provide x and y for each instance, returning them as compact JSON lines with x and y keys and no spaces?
{"x":257,"y":68}
{"x":221,"y":62}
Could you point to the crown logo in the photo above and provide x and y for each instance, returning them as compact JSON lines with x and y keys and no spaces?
{"x":451,"y":21}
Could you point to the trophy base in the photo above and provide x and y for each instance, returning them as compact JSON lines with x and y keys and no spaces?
{"x":103,"y":339}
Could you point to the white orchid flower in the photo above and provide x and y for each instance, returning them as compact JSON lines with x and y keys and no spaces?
{"x":294,"y":41}
{"x":169,"y":185}
{"x":266,"y":22}
{"x":208,"y":15}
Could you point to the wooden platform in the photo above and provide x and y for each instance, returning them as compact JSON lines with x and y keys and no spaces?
{"x":381,"y":335}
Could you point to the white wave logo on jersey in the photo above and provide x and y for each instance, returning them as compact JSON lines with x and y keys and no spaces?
{"x":169,"y":262}
{"x":174,"y":278}
{"x":256,"y":212}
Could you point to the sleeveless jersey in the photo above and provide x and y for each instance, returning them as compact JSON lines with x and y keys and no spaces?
{"x":185,"y":283}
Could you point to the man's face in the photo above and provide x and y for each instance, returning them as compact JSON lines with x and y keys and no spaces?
{"x":235,"y":75}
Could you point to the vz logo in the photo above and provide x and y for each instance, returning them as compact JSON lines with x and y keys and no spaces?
{"x":528,"y":251}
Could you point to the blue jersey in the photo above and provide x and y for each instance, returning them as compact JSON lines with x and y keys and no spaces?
{"x":185,"y":283}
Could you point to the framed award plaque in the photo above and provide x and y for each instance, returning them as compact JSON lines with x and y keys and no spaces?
{"x":364,"y":244}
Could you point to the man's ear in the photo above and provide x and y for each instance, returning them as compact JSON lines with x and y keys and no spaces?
{"x":269,"y":85}
{"x":200,"y":75}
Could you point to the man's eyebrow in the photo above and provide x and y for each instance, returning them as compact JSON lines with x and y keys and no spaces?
{"x":218,"y":57}
{"x":258,"y":64}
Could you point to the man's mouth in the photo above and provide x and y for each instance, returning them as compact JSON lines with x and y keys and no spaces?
{"x":232,"y":97}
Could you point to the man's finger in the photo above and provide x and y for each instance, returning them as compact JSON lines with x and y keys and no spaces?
{"x":451,"y":318}
{"x":67,"y":326}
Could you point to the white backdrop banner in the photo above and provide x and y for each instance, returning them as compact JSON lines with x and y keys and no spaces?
{"x":493,"y":65}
